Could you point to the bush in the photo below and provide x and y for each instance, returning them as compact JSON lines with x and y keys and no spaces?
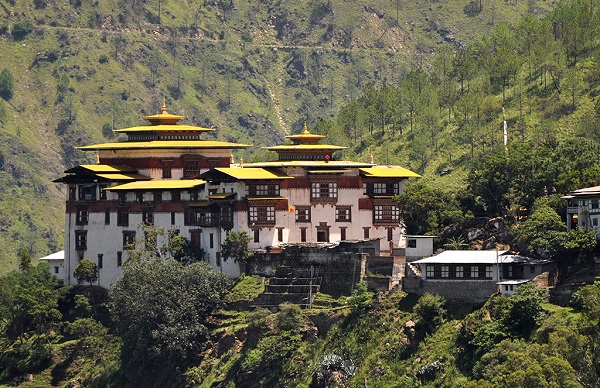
{"x":7,"y":85}
{"x":21,"y":29}
{"x":430,"y":311}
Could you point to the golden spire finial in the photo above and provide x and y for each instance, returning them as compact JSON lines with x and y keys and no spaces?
{"x":372,"y":159}
{"x":164,"y":106}
{"x":305,"y":130}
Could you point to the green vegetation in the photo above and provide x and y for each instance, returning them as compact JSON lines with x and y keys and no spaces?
{"x":86,"y":272}
{"x":159,"y":309}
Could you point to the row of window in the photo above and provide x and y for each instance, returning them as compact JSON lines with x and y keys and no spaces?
{"x":320,"y":191}
{"x":262,"y":215}
{"x":440,"y":271}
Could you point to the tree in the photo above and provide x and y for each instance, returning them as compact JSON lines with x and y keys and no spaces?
{"x":428,"y":209}
{"x":430,"y":311}
{"x":24,"y":260}
{"x":159,"y":309}
{"x":7,"y":84}
{"x":29,"y":303}
{"x":164,"y":244}
{"x":86,"y":272}
{"x":235,"y":247}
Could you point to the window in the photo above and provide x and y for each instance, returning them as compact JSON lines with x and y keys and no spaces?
{"x":342,"y":214}
{"x":107,"y":216}
{"x":139,"y":197}
{"x":325,"y":191}
{"x":87,"y":192}
{"x":166,"y":168}
{"x":430,"y":271}
{"x":594,"y":204}
{"x":191,"y":166}
{"x":148,"y":216}
{"x":100,"y":257}
{"x":386,"y":214}
{"x":189,"y":217}
{"x":303,"y":234}
{"x":385,"y":188}
{"x":458,"y":272}
{"x":343,"y":233}
{"x":256,"y":235}
{"x":172,"y":218}
{"x":194,"y":195}
{"x":211,"y":240}
{"x":226,"y":214}
{"x":207,"y":218}
{"x":81,"y":240}
{"x":261,"y":215}
{"x":411,"y":243}
{"x":175,"y":196}
{"x":157,"y":197}
{"x":474,"y":272}
{"x":302,"y":214}
{"x":445,"y":271}
{"x":280,"y":234}
{"x":122,"y":217}
{"x":366,"y":232}
{"x":122,"y":197}
{"x":263,"y":190}
{"x":532,"y":268}
{"x":72,"y":193}
{"x":390,"y":234}
{"x":119,"y":259}
{"x":128,"y":238}
{"x":56,"y":268}
{"x":489,"y":273}
{"x":81,"y":217}
{"x":102,"y":191}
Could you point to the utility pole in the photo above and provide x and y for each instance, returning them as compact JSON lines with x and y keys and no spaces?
{"x":310,"y":288}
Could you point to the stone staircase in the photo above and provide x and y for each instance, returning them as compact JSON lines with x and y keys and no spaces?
{"x":291,"y":285}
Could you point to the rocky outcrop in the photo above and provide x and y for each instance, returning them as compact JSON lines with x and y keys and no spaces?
{"x":479,"y":233}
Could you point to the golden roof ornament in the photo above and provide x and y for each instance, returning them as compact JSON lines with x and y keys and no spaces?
{"x":305,"y":130}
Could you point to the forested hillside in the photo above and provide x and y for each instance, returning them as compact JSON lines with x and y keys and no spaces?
{"x":75,"y":70}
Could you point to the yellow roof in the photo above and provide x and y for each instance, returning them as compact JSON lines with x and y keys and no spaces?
{"x":252,"y":173}
{"x":305,"y":147}
{"x":106,"y":168}
{"x":221,"y":195}
{"x":160,"y":185}
{"x":309,"y":163}
{"x":163,"y":127}
{"x":265,"y":198}
{"x":164,"y":144}
{"x":389,"y":172}
{"x":123,"y":177}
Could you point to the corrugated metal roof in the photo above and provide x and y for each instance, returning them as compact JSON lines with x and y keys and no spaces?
{"x":60,"y":255}
{"x":168,"y":144}
{"x":463,"y":257}
{"x":389,"y":172}
{"x":159,"y":185}
{"x":252,"y":173}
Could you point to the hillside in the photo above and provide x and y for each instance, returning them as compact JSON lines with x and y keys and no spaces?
{"x":253,"y":71}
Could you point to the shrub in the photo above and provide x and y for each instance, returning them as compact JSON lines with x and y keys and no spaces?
{"x":430,"y":311}
{"x":21,"y":29}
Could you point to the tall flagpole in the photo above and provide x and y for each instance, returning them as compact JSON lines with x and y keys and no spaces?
{"x":505,"y":129}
